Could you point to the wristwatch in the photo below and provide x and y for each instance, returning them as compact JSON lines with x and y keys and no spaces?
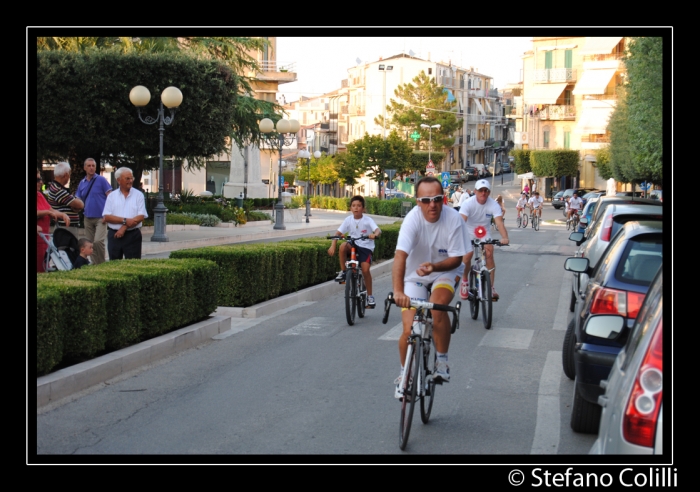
{"x":124,"y":221}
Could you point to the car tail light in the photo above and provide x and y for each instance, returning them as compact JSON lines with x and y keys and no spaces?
{"x":634,"y":302}
{"x":606,"y":232}
{"x":612,"y":301}
{"x":639,"y":421}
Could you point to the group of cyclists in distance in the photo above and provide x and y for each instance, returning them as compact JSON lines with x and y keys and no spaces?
{"x":433,"y":253}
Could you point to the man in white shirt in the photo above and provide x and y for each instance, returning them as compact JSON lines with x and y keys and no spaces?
{"x":124,"y":212}
{"x":478,"y":211}
{"x":575,"y":204}
{"x":456,"y":196}
{"x":522,"y":201}
{"x":535,"y":204}
{"x":428,"y":265}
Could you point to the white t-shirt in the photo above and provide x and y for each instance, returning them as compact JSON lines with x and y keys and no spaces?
{"x":456,"y":197}
{"x":465,"y":196}
{"x":575,"y":203}
{"x":478,"y":214}
{"x":521,"y":202}
{"x":363,"y":226}
{"x":432,"y":242}
{"x":536,"y":202}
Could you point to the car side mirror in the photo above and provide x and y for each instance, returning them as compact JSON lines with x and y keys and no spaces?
{"x":577,"y":237}
{"x":604,"y":326}
{"x":576,"y":264}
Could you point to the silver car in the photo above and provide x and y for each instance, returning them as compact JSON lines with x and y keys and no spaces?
{"x":599,"y":234}
{"x":632,"y":418}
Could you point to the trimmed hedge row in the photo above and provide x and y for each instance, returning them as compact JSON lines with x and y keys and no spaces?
{"x":254,"y":273}
{"x":389,"y":208}
{"x":82,"y":313}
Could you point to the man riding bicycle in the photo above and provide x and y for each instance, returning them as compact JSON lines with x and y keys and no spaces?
{"x":478,"y":211}
{"x":522,"y":202}
{"x":535,"y":204}
{"x":575,"y":204}
{"x":428,"y":265}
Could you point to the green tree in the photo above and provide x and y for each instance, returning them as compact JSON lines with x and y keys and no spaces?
{"x":602,"y":157}
{"x":556,"y":162}
{"x":373,"y":154}
{"x":350,"y":168}
{"x":620,"y":151}
{"x":521,"y":160}
{"x":423,"y":102}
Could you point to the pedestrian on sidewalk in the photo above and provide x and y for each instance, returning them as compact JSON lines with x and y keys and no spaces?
{"x":124,"y":212}
{"x":61,"y":199}
{"x":93,"y":191}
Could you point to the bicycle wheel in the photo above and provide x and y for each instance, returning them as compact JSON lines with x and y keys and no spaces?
{"x":408,"y":401}
{"x":361,"y":295}
{"x":486,"y":303}
{"x":536,"y":222}
{"x":524,"y":221}
{"x":429,"y":363}
{"x":519,"y":221}
{"x":350,"y":299}
{"x":568,"y":224}
{"x":473,"y":297}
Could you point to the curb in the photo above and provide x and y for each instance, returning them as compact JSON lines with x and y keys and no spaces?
{"x":70,"y":380}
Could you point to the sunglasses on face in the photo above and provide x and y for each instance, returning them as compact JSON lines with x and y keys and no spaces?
{"x":483,"y":190}
{"x":427,"y":199}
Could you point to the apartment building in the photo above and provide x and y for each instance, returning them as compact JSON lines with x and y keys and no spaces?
{"x":569,"y":92}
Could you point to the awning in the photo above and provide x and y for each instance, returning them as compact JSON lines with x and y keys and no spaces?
{"x":593,"y":120}
{"x":450,"y":96}
{"x":589,"y":158}
{"x":488,"y":106}
{"x":544,"y":93}
{"x":479,"y":107}
{"x":594,"y":81}
{"x":599,"y":46}
{"x":526,"y":176}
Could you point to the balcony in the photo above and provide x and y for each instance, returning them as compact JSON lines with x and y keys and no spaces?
{"x":558,"y":112}
{"x":475,"y":144}
{"x":493,"y":94}
{"x":447,"y":81}
{"x":476,"y":118}
{"x":344,"y":109}
{"x":476,"y":93}
{"x":273,"y":70}
{"x":555,"y":75}
{"x":325,"y":126}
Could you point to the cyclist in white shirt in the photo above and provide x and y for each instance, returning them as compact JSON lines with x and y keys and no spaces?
{"x":522,"y":202}
{"x":428,"y":265}
{"x":575,"y":204}
{"x":479,"y":210}
{"x":535,"y":204}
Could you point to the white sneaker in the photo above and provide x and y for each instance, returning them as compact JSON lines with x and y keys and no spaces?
{"x":398,"y":392}
{"x":442,"y":371}
{"x":464,"y":289}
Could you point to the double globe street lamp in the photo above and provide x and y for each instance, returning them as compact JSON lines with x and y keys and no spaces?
{"x":171,"y":98}
{"x":305,"y":154}
{"x":284,"y":133}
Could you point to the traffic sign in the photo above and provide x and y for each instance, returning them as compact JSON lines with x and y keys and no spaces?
{"x":430,"y":165}
{"x":286,"y":184}
{"x":445,"y":177}
{"x":645,"y":186}
{"x":281,"y":180}
{"x":445,"y":183}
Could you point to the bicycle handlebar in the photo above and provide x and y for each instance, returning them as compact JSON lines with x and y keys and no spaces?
{"x":418,"y":304}
{"x":348,"y":238}
{"x":496,"y":242}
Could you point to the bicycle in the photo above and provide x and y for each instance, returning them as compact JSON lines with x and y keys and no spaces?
{"x":418,"y":382}
{"x":355,"y":288}
{"x":535,"y":219}
{"x":480,"y":280}
{"x":521,"y":220}
{"x":572,"y":223}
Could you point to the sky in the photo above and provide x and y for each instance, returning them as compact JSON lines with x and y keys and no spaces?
{"x":322,"y":62}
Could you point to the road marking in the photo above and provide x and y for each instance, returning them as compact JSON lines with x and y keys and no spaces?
{"x":546,"y":439}
{"x":317,"y":326}
{"x":394,"y":333}
{"x":514,"y":338}
{"x":561,"y":318}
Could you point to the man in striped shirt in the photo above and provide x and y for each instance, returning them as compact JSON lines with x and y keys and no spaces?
{"x":62,"y":200}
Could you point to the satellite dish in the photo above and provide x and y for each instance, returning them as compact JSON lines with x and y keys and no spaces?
{"x":358,"y":61}
{"x":411,"y":53}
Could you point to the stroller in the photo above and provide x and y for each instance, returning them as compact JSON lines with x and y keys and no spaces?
{"x":63,"y":250}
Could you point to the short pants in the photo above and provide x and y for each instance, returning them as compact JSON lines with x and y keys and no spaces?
{"x":420,"y":291}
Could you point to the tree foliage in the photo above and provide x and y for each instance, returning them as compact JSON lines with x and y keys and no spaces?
{"x":423,"y":102}
{"x":602,"y":157}
{"x":84,"y":110}
{"x":557,"y":162}
{"x":521,"y":160}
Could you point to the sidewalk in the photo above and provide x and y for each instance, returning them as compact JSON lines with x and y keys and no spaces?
{"x":224,"y":321}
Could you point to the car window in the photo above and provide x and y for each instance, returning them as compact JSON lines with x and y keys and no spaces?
{"x":605,"y":262}
{"x":649,"y":315}
{"x":641,"y":259}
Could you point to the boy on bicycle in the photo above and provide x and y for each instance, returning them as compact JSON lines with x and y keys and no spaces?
{"x":535,"y":204}
{"x":522,"y":201}
{"x":357,"y":225}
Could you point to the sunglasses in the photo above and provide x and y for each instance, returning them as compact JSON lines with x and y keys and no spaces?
{"x":427,"y":199}
{"x":483,"y":190}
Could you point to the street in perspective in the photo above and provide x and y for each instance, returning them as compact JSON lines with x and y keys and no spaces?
{"x":301,"y":381}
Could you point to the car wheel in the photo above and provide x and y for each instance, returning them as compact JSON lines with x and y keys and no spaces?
{"x":572,"y":302}
{"x":556,"y":207}
{"x":567,"y":353}
{"x":585,"y":416}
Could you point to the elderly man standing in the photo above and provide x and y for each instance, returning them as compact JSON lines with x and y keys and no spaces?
{"x":62,"y":200}
{"x":93,"y":191}
{"x":124,"y":212}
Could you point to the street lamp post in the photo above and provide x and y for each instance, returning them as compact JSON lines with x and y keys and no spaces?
{"x":384,"y":68}
{"x":171,"y":98}
{"x":284,"y":133}
{"x":430,"y":141}
{"x":305,"y":154}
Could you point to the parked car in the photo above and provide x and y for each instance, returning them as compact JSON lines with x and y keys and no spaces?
{"x":483,"y":171}
{"x":597,"y":238}
{"x":638,"y":194}
{"x":631,"y":420}
{"x":557,"y":200}
{"x":396,"y":194}
{"x":617,"y":285}
{"x":459,"y":176}
{"x":505,"y":167}
{"x":606,"y":201}
{"x":472,"y":173}
{"x":586,"y":214}
{"x":656,"y":195}
{"x":592,"y":194}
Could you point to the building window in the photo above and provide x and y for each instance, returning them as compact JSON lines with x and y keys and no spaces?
{"x":568,"y":59}
{"x":430,"y":70}
{"x":548,"y":59}
{"x":568,"y":97}
{"x":567,"y":140}
{"x":546,"y":139}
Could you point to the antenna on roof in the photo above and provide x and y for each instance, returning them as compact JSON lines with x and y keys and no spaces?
{"x":358,"y":61}
{"x":411,"y":53}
